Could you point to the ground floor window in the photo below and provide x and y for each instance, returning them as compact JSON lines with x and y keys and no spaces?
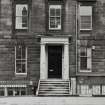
{"x":20,"y":60}
{"x":85,"y":59}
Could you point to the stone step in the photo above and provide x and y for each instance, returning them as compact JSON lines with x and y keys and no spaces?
{"x":54,"y":83}
{"x":57,"y":89}
{"x":53,"y":92}
{"x":53,"y":95}
{"x":53,"y":87}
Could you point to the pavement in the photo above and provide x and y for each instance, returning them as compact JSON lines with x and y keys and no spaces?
{"x":52,"y":100}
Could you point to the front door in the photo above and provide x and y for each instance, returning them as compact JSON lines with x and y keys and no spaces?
{"x":54,"y":61}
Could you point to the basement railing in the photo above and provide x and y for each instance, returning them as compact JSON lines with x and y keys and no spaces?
{"x":69,"y":87}
{"x":38,"y":88}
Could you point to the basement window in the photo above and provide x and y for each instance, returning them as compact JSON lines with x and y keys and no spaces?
{"x":84,"y":90}
{"x":1,"y":91}
{"x":96,"y":90}
{"x":16,"y":91}
{"x":103,"y":89}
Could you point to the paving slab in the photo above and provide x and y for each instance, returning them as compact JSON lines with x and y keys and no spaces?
{"x":52,"y":101}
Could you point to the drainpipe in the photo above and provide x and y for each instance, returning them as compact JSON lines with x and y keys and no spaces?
{"x":76,"y":46}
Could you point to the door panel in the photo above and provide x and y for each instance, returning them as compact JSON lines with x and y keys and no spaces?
{"x":54,"y":61}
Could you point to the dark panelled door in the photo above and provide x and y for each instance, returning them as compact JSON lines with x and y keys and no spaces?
{"x":54,"y":61}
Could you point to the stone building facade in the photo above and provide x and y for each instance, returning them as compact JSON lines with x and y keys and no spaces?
{"x":52,"y":41}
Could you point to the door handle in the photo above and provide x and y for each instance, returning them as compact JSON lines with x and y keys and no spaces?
{"x":51,"y":70}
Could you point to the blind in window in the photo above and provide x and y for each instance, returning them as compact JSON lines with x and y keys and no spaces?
{"x":85,"y":17}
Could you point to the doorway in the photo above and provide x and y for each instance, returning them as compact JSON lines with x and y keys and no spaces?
{"x":55,"y":61}
{"x":54,"y":58}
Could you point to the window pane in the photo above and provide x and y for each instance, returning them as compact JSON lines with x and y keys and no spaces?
{"x":24,"y":21}
{"x":52,"y":12}
{"x":23,"y":68}
{"x":24,"y":11}
{"x":57,"y":12}
{"x":20,"y":66}
{"x":83,"y":52}
{"x":85,"y":22}
{"x":24,"y":17}
{"x":23,"y":52}
{"x":18,"y":23}
{"x":52,"y":22}
{"x":83,"y":63}
{"x":19,"y":8}
{"x":21,"y":23}
{"x":85,"y":10}
{"x":18,"y":52}
{"x":58,"y":24}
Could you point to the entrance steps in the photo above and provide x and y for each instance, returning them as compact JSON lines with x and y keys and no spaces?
{"x":53,"y":88}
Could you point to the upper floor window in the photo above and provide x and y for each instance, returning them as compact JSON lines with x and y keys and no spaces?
{"x":85,"y":17}
{"x":55,"y":17}
{"x":85,"y":59}
{"x":21,"y":16}
{"x":20,"y":59}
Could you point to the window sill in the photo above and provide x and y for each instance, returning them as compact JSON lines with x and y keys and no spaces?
{"x":85,"y":29}
{"x":84,"y":71}
{"x":21,"y":30}
{"x":54,"y":28}
{"x":54,"y":31}
{"x":90,"y":74}
{"x":21,"y":74}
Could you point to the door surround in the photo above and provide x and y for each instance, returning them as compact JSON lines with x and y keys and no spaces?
{"x":43,"y":55}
